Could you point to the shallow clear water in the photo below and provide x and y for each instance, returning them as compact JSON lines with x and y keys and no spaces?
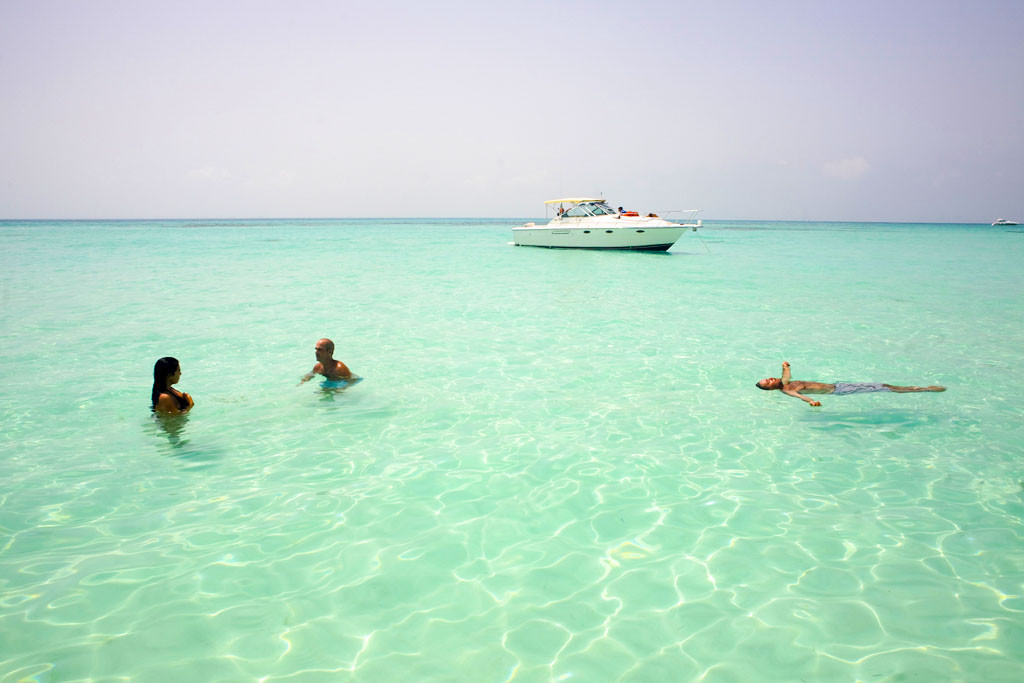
{"x":557,"y":465}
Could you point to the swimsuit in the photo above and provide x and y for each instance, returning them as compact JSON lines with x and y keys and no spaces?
{"x":183,"y":400}
{"x":844,"y":388}
{"x":340,"y":383}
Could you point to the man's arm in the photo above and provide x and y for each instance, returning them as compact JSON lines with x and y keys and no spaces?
{"x":343,"y":370}
{"x":796,"y":394}
{"x":785,"y":373}
{"x":310,"y":375}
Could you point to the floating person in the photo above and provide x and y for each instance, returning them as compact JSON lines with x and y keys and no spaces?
{"x":326,"y":365}
{"x":167,"y":399}
{"x":793,"y":387}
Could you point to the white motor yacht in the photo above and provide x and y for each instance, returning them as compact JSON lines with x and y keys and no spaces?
{"x":1003,"y":221}
{"x":590,"y":223}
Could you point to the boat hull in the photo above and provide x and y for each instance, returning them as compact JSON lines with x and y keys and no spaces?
{"x":599,"y":237}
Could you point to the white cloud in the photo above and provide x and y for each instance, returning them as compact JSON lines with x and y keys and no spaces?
{"x":847,"y":169}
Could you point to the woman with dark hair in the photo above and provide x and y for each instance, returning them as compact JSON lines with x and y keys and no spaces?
{"x":166,"y":399}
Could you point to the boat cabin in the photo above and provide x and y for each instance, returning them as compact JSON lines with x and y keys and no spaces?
{"x":581,"y":208}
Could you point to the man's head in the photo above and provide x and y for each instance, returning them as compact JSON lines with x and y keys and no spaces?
{"x":324,"y":349}
{"x":769,"y":383}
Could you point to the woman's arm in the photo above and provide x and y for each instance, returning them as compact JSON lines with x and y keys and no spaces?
{"x":167,"y":404}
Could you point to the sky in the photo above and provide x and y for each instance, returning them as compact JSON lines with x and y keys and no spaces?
{"x":904,"y":110}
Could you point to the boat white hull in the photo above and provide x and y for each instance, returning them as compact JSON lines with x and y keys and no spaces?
{"x":647,"y":238}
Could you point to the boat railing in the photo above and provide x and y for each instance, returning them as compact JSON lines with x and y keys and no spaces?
{"x":687,"y":217}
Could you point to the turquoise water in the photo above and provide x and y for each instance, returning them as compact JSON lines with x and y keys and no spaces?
{"x":557,"y":465}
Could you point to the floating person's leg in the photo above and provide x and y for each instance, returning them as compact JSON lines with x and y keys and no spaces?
{"x":906,"y":390}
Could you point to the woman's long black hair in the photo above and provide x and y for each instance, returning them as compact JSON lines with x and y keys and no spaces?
{"x":164,"y":368}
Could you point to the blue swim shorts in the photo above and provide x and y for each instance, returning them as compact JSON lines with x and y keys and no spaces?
{"x":844,"y":388}
{"x":340,"y":383}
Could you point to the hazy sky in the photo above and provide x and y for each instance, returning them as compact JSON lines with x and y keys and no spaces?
{"x":821,"y":110}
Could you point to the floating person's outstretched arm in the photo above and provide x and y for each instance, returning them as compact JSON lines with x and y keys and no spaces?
{"x":796,"y":394}
{"x":786,"y":377}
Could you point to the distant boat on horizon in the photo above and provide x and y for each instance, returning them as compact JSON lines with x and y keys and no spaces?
{"x":1003,"y":221}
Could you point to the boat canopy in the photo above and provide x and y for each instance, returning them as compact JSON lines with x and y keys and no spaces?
{"x":574,"y":200}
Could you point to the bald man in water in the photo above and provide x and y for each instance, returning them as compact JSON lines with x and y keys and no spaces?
{"x":793,"y":387}
{"x":326,"y":364}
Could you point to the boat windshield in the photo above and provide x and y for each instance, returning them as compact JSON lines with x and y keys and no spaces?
{"x":602,"y":209}
{"x":589,"y":209}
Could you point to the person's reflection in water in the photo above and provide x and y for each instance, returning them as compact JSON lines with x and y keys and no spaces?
{"x":174,"y":427}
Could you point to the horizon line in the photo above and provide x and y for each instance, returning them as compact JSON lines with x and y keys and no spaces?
{"x":350,"y":218}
